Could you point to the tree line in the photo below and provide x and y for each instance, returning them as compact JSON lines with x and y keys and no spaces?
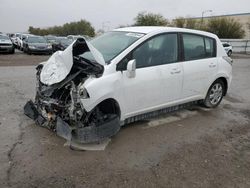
{"x":81,"y":27}
{"x":221,"y":26}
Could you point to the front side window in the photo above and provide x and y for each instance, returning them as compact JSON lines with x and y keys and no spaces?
{"x":162,"y":49}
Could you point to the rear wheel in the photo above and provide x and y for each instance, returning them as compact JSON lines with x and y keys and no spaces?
{"x":215,"y":94}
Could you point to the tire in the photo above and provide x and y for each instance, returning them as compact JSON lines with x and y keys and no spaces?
{"x":215,"y":94}
{"x":229,"y":53}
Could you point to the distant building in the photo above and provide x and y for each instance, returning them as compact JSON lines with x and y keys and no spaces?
{"x":243,"y":18}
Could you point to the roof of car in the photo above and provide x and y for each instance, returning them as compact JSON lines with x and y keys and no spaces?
{"x":152,"y":29}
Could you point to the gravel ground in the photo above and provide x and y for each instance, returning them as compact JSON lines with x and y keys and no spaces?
{"x":194,"y":147}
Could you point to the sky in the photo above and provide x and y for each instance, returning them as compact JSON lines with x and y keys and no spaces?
{"x":18,"y":15}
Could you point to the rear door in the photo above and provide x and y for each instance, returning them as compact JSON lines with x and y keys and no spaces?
{"x":200,"y":64}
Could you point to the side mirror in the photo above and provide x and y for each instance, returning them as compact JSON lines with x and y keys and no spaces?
{"x":131,"y":67}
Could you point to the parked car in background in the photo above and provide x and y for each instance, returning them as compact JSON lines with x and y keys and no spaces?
{"x":90,"y":89}
{"x":36,"y":45}
{"x":228,"y":48}
{"x":6,"y":44}
{"x":50,"y":38}
{"x":19,"y":41}
{"x":22,"y":37}
{"x":61,"y":43}
{"x":14,"y":39}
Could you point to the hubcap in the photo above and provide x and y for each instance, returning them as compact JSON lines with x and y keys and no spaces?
{"x":215,"y":94}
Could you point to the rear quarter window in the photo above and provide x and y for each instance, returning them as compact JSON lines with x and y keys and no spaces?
{"x":198,"y":47}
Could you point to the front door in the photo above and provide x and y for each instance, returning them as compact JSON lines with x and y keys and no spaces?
{"x":158,"y":78}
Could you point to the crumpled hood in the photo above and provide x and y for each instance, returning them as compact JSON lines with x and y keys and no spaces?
{"x":60,"y":63}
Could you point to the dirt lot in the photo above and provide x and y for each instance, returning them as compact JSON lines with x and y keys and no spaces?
{"x":194,"y":147}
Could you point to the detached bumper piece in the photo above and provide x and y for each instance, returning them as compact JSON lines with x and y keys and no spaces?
{"x":31,"y":111}
{"x":78,"y":134}
{"x":95,"y":133}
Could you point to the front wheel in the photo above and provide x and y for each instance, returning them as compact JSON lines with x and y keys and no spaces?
{"x":214,"y":94}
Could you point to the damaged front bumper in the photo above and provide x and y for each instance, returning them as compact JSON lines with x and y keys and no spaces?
{"x":78,"y":133}
{"x":59,"y":90}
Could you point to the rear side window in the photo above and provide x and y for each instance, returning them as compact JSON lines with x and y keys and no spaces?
{"x":209,"y":44}
{"x":198,"y":47}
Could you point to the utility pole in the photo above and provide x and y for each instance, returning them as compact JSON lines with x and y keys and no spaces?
{"x":202,"y":15}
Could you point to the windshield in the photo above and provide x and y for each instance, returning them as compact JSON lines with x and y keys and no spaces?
{"x":111,"y":44}
{"x":36,"y":40}
{"x":4,"y":37}
{"x":64,"y":41}
{"x":50,"y":37}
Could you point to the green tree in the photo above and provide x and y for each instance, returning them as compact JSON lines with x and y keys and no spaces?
{"x":248,"y":25}
{"x":179,"y":22}
{"x":186,"y":23}
{"x":191,"y":23}
{"x":150,"y":19}
{"x":225,"y":28}
{"x":81,"y":27}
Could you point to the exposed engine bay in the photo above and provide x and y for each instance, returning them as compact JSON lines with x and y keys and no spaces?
{"x":59,"y":91}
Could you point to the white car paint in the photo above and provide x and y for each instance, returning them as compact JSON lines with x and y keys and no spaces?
{"x":146,"y":92}
{"x":156,"y":87}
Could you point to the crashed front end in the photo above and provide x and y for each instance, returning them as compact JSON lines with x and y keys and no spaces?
{"x":59,"y":90}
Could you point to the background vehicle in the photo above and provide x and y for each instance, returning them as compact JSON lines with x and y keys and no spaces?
{"x":22,"y":38}
{"x":50,"y":38}
{"x":61,"y":43}
{"x":14,"y":39}
{"x":6,"y":44}
{"x":127,"y":75}
{"x":228,"y":48}
{"x":37,"y":45}
{"x":19,"y":39}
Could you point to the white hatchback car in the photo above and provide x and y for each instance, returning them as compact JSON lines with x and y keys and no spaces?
{"x":88,"y":91}
{"x":228,"y":48}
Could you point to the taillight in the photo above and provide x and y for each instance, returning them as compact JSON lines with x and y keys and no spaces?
{"x":228,"y":59}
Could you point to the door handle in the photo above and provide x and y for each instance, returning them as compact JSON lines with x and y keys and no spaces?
{"x":212,"y":65}
{"x":175,"y":71}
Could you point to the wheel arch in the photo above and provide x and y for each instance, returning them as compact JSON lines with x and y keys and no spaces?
{"x":110,"y":105}
{"x":225,"y":82}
